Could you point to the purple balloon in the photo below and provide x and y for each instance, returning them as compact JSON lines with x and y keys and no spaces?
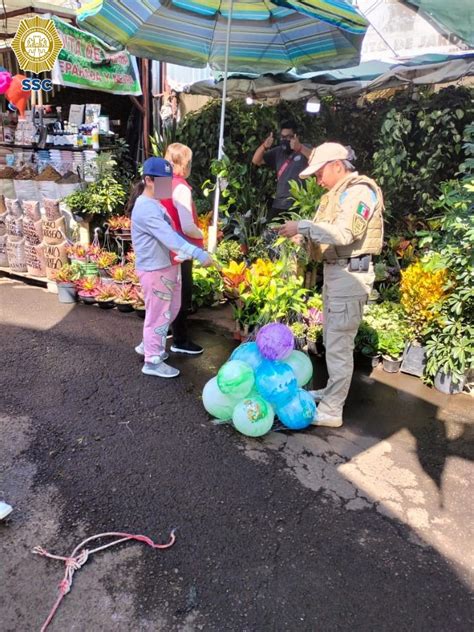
{"x":275,"y":341}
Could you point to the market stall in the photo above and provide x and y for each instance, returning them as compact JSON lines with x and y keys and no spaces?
{"x":54,"y":158}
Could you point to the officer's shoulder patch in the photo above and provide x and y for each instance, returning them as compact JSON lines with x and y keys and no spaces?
{"x":363,"y":210}
{"x":359,"y":224}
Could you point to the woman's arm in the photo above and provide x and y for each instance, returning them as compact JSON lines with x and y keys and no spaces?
{"x":182,"y":199}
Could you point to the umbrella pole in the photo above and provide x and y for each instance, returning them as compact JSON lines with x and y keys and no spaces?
{"x":212,"y":241}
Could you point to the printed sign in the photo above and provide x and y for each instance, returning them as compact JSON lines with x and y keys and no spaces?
{"x":86,"y":62}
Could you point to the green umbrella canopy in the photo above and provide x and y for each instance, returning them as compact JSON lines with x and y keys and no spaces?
{"x":266,"y":37}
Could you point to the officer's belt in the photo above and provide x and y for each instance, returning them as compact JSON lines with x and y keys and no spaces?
{"x":347,"y":260}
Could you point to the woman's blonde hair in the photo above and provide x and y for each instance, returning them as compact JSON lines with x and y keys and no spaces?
{"x":180,"y":157}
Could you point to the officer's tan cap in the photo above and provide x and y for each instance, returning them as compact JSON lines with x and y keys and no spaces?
{"x":327,"y":152}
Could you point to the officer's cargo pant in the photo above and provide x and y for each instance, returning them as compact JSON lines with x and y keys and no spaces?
{"x":344,"y":294}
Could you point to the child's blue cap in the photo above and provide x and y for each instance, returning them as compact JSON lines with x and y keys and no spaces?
{"x":157,"y":167}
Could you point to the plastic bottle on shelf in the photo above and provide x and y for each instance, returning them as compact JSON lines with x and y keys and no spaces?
{"x":95,"y":137}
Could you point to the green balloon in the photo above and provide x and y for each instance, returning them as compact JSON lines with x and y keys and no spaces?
{"x":253,"y":416}
{"x":216,"y":402}
{"x":301,"y":365}
{"x":236,"y":378}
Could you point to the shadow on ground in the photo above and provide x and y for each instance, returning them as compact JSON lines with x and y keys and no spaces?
{"x":93,"y":445}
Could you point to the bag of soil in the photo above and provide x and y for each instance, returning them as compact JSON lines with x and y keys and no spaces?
{"x":16,"y":255}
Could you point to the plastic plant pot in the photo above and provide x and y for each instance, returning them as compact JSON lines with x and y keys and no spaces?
{"x":67,"y":292}
{"x":391,"y":365}
{"x":106,"y":304}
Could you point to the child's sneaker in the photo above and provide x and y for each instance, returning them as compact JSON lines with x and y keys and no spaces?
{"x":140,"y":349}
{"x":160,"y":370}
{"x":189,"y":347}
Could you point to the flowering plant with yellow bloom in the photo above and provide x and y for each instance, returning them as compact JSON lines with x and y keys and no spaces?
{"x":422,"y":293}
{"x":236,"y":277}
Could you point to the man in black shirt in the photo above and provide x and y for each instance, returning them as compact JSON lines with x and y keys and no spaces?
{"x":288,"y":159}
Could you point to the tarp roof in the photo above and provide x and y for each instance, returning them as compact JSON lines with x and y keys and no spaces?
{"x":367,"y":77}
{"x":457,"y":16}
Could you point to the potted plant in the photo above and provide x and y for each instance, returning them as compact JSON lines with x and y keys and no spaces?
{"x":450,"y":355}
{"x":391,"y":345}
{"x":132,"y":276}
{"x":125,"y":298}
{"x":314,"y":335}
{"x":139,"y":303}
{"x":66,"y":278}
{"x":120,"y":224}
{"x":373,"y":297}
{"x":423,"y":290}
{"x":299,"y":332}
{"x":103,"y":197}
{"x":106,"y":294}
{"x":119,"y":273}
{"x":87,"y":290}
{"x":367,"y":343}
{"x":106,"y":260}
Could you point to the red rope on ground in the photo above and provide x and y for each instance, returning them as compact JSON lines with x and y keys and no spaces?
{"x":79,"y":557}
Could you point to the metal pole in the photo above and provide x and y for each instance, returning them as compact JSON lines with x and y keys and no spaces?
{"x":212,"y":242}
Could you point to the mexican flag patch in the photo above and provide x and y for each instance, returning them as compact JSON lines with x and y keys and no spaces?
{"x":363,"y":210}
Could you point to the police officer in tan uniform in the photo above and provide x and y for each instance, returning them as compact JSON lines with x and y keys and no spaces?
{"x":345,"y":232}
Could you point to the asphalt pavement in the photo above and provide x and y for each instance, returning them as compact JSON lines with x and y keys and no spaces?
{"x":365,"y":527}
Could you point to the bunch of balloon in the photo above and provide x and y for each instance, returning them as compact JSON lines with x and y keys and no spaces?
{"x":5,"y":81}
{"x":261,"y":380}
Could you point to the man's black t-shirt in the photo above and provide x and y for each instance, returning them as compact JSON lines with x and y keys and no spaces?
{"x":276,"y":158}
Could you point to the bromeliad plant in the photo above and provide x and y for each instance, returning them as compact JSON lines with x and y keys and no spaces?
{"x":68,"y":273}
{"x":119,"y":222}
{"x":125,"y":294}
{"x":88,"y":287}
{"x":119,"y":273}
{"x":106,"y":292}
{"x":106,"y":259}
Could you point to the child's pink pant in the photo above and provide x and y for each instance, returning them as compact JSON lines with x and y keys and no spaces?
{"x":162,"y":290}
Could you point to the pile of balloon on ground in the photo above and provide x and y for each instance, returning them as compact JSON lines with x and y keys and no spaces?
{"x":260,"y":380}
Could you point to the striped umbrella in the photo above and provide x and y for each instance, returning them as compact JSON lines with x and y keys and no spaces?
{"x":267,"y":37}
{"x":253,"y":36}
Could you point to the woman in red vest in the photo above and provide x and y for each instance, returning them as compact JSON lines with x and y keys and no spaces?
{"x":182,"y":211}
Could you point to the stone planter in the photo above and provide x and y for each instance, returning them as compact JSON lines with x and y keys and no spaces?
{"x":445,"y":384}
{"x":414,"y":359}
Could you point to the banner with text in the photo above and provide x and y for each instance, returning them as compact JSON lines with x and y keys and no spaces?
{"x":86,"y":62}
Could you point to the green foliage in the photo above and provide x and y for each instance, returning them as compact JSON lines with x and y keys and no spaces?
{"x":367,"y":339}
{"x":299,"y":329}
{"x":229,"y":250}
{"x":160,"y":141}
{"x":207,"y":286}
{"x":383,"y":329}
{"x":107,"y":194}
{"x":408,"y":146}
{"x":306,"y":198}
{"x":418,"y":145}
{"x":450,"y":344}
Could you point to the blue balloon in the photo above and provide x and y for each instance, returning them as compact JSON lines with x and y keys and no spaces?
{"x":276,"y":382}
{"x":299,"y":412}
{"x":248,"y":352}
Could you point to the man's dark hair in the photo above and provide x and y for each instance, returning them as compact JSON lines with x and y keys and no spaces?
{"x":289,"y":124}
